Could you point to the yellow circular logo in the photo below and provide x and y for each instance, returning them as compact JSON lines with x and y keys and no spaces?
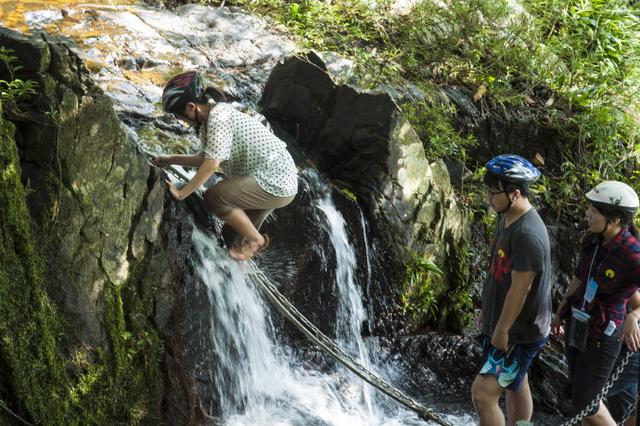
{"x":609,"y":273}
{"x":500,"y":252}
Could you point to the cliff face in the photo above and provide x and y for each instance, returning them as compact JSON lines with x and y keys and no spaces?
{"x":84,"y":308}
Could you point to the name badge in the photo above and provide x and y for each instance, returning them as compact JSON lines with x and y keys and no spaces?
{"x":592,"y":288}
{"x":580,"y":315}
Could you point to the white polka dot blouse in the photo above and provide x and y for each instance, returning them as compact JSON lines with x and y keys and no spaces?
{"x":245,"y":147}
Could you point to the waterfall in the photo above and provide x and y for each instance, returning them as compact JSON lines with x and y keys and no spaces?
{"x":367,"y":257}
{"x":240,"y":332}
{"x":258,"y":381}
{"x":256,"y":378}
{"x":351,"y":312}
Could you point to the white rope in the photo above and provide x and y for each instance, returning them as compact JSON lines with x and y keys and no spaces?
{"x":320,"y":339}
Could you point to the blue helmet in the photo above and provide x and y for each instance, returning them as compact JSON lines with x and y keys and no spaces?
{"x":513,"y":168}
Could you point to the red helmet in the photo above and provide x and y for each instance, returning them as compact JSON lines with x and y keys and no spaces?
{"x":180,"y":90}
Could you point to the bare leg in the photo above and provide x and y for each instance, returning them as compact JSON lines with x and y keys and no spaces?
{"x":485,"y":393}
{"x":600,"y":418}
{"x":256,"y":217}
{"x":240,"y":222}
{"x":519,"y":404}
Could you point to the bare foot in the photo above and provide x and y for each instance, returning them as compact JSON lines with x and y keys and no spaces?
{"x":249,"y":248}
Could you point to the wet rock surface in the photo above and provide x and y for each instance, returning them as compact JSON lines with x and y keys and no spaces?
{"x":447,"y":366}
{"x":89,"y":189}
{"x":364,"y":144}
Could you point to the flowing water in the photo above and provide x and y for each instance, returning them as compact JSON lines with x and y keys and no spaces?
{"x":258,"y":380}
{"x":351,"y":313}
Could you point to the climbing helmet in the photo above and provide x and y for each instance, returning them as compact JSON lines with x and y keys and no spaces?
{"x":513,"y":168}
{"x":614,"y":196}
{"x":180,"y":90}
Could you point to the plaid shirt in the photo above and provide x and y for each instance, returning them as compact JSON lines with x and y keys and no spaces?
{"x":616,"y":269}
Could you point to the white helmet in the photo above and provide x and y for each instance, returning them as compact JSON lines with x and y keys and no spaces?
{"x":612,"y":195}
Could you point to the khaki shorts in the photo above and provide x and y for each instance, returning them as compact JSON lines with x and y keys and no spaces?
{"x":243,"y":192}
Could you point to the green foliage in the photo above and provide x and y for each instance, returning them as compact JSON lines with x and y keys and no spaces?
{"x":595,"y":42}
{"x":439,"y":296}
{"x":433,"y":119}
{"x":423,"y":282}
{"x":15,"y":90}
{"x":331,"y":25}
{"x":457,"y":304}
{"x":595,"y":63}
{"x":465,"y":41}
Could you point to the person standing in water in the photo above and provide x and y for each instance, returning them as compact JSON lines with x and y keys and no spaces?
{"x":260,"y":173}
{"x":516,"y":296}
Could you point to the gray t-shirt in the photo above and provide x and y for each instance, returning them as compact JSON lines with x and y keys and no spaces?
{"x":522,"y":246}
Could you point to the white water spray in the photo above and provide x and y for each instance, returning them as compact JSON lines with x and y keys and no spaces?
{"x":351,"y":312}
{"x":257,"y":380}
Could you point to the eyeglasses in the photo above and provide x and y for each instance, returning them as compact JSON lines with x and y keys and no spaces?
{"x":494,"y":192}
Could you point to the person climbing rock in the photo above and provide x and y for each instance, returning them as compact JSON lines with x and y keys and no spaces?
{"x":260,"y":173}
{"x":595,"y":304}
{"x":516,"y":296}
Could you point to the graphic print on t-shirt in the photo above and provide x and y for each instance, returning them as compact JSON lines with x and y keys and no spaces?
{"x":500,"y":265}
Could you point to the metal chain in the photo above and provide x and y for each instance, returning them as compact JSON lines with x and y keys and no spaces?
{"x":630,"y":411}
{"x":596,"y":401}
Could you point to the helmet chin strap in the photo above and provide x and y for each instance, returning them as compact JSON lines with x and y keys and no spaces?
{"x":606,"y":225}
{"x":198,"y":124}
{"x":197,"y":120}
{"x":508,"y":205}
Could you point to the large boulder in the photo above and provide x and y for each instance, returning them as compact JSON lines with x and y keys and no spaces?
{"x":89,"y":190}
{"x":367,"y":147}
